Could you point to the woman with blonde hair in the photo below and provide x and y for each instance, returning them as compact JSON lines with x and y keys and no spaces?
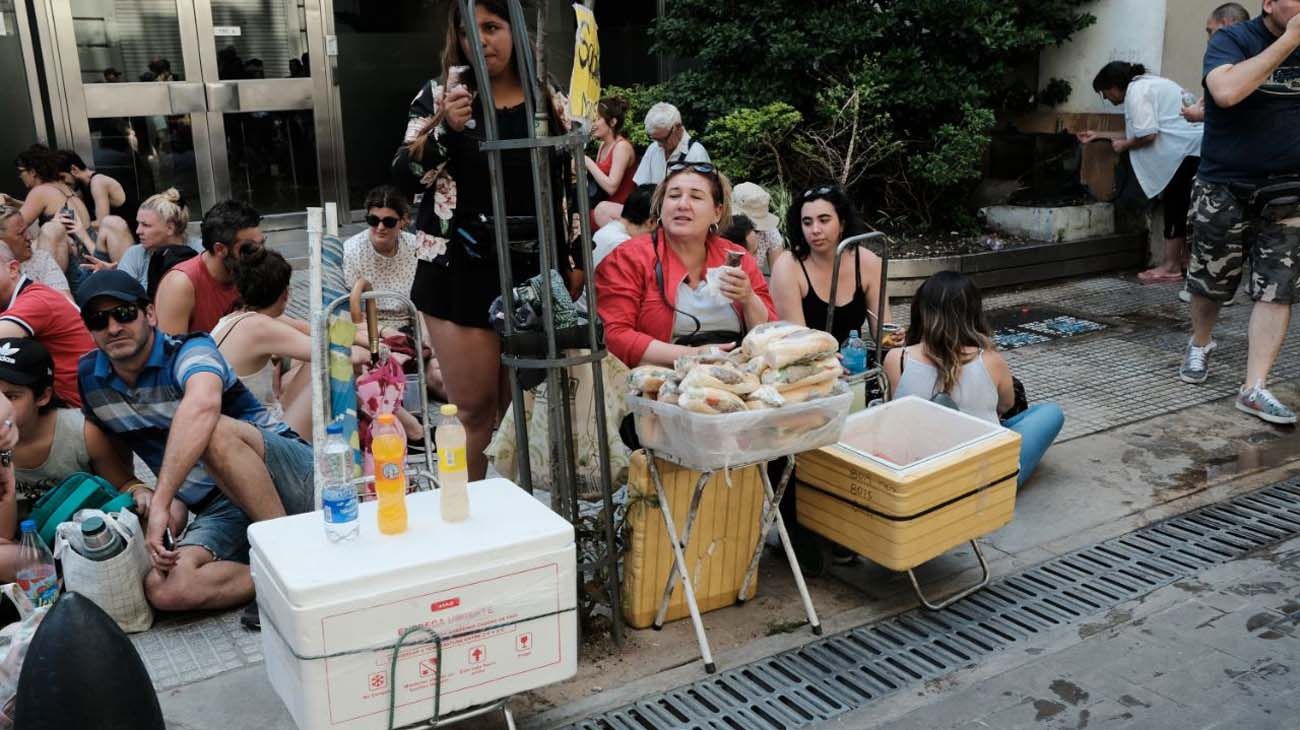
{"x":651,"y":290}
{"x":950,"y":352}
{"x":161,"y":227}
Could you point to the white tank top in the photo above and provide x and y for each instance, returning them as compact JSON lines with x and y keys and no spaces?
{"x":975,"y":393}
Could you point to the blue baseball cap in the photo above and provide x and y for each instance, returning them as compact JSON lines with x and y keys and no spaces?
{"x":110,"y":283}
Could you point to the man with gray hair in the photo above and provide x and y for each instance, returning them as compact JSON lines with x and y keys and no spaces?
{"x":29,"y":309}
{"x":37,"y":263}
{"x":671,"y":143}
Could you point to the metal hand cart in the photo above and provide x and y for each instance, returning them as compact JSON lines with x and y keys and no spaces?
{"x":519,"y":350}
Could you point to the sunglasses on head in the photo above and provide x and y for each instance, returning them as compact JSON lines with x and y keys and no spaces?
{"x":388,"y":221}
{"x":703,"y":168}
{"x":123,"y":313}
{"x":823,"y":190}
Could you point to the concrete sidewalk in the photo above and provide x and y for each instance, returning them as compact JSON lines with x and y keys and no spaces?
{"x":1139,"y":446}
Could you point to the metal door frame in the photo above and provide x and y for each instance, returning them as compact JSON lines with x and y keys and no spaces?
{"x":203,"y":96}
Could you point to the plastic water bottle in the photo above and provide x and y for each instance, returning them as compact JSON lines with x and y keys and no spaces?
{"x":338,"y":496}
{"x":36,"y":574}
{"x":854,"y":351}
{"x":453,"y":473}
{"x":388,"y":451}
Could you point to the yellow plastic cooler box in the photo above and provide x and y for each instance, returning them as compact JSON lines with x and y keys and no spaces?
{"x":718,"y":553}
{"x":909,"y":481}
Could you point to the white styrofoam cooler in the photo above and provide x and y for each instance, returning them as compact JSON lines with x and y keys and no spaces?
{"x":512,"y":559}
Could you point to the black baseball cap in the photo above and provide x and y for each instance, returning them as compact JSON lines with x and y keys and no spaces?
{"x":110,"y":283}
{"x":26,"y":362}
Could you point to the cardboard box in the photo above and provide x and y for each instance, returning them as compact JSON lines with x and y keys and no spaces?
{"x":908,"y":481}
{"x":504,"y":579}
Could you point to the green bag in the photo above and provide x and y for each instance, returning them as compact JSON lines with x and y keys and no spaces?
{"x":79,"y":491}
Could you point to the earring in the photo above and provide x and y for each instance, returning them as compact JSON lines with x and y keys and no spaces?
{"x":713,"y":228}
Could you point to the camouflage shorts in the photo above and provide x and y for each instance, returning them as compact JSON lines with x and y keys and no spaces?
{"x":1225,"y":235}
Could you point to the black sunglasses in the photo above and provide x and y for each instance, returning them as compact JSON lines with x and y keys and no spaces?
{"x":703,"y":168}
{"x":123,"y":313}
{"x":823,"y":190}
{"x":389,"y":221}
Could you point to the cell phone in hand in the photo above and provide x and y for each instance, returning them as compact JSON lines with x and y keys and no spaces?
{"x":169,"y":542}
{"x":733,"y":258}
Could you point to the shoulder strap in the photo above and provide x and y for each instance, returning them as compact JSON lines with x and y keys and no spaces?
{"x":232,"y":327}
{"x":857,"y":268}
{"x":805,"y":274}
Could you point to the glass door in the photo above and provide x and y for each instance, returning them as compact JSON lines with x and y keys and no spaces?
{"x":212,"y":97}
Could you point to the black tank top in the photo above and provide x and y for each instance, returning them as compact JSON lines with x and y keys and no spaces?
{"x":125,"y":211}
{"x":849,"y":317}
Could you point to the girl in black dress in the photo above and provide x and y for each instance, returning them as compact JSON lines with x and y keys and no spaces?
{"x":456,"y":277}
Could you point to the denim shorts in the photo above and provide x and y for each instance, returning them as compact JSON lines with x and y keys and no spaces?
{"x":221,"y":528}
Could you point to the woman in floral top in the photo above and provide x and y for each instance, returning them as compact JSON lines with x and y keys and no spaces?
{"x":456,"y":276}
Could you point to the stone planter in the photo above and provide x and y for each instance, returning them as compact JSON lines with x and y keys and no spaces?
{"x":1025,"y":264}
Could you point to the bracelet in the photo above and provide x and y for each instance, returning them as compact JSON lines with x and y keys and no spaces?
{"x":134,"y":486}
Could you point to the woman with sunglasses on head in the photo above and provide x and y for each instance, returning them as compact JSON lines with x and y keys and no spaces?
{"x":818,"y":221}
{"x":456,"y":277}
{"x":651,"y":290}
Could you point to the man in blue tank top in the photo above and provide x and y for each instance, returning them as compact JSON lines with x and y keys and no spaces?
{"x":1246,"y":201}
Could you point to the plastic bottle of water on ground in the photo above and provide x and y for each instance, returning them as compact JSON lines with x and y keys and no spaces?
{"x":854,"y":351}
{"x":453,"y":475}
{"x":388,"y":451}
{"x":338,"y":496}
{"x":36,"y":574}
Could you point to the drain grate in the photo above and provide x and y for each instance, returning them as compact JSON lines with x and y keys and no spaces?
{"x":838,"y":673}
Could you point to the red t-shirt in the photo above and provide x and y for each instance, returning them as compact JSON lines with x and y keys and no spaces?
{"x":212,"y":299}
{"x":49,"y":318}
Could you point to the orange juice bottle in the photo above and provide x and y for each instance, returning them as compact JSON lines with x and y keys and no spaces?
{"x":388,"y":451}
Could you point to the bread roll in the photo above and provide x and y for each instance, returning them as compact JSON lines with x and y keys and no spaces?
{"x":794,"y":375}
{"x":767,"y":395}
{"x":647,"y":379}
{"x":723,"y":377}
{"x":710,"y":400}
{"x":669,"y":392}
{"x":805,"y":393}
{"x":806,"y":345}
{"x":756,"y":341}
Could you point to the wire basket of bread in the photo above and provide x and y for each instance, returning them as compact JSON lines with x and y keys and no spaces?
{"x":779,"y":393}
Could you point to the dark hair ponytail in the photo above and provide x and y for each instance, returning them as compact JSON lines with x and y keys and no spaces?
{"x":1117,"y":75}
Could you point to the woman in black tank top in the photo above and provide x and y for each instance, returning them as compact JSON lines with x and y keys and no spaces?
{"x":801,"y":283}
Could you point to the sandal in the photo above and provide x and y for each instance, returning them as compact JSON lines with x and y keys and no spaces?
{"x":1155,"y":276}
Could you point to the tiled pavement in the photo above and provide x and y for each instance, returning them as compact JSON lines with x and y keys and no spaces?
{"x":1102,"y":380}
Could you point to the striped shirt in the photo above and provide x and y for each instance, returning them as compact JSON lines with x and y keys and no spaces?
{"x":141,"y":416}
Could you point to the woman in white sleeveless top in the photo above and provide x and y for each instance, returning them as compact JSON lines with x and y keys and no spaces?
{"x":950,"y":351}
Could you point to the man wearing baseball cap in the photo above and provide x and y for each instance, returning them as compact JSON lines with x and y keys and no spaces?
{"x":230,"y":463}
{"x":34,"y":310}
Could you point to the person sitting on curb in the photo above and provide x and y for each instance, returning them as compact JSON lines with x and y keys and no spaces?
{"x":198,"y":292}
{"x":37,"y":263}
{"x":231,"y":463}
{"x":29,"y":309}
{"x":950,"y":351}
{"x":53,"y":443}
{"x":113,"y":216}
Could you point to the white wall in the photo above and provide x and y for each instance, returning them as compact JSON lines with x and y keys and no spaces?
{"x":1126,"y":30}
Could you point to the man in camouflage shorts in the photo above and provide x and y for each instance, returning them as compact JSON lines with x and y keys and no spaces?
{"x":1246,"y":200}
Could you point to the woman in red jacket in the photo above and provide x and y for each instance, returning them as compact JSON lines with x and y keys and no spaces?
{"x":654,"y":291}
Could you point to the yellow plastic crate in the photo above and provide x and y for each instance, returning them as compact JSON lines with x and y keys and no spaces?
{"x":718,"y":553}
{"x":909,"y":481}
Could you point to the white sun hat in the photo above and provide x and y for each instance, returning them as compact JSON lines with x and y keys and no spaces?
{"x":753,"y":202}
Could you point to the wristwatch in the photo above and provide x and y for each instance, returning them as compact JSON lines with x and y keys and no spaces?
{"x":6,"y":457}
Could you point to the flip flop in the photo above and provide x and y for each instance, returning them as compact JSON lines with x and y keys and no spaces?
{"x":1146,"y":277}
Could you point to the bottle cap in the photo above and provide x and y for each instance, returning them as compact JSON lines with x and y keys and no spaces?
{"x":384,"y":418}
{"x":334,"y":428}
{"x":29,"y":526}
{"x":93,"y":526}
{"x":449,"y":409}
{"x":853,"y":333}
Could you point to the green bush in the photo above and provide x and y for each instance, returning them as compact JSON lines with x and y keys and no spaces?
{"x":747,"y":143}
{"x":925,"y":78}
